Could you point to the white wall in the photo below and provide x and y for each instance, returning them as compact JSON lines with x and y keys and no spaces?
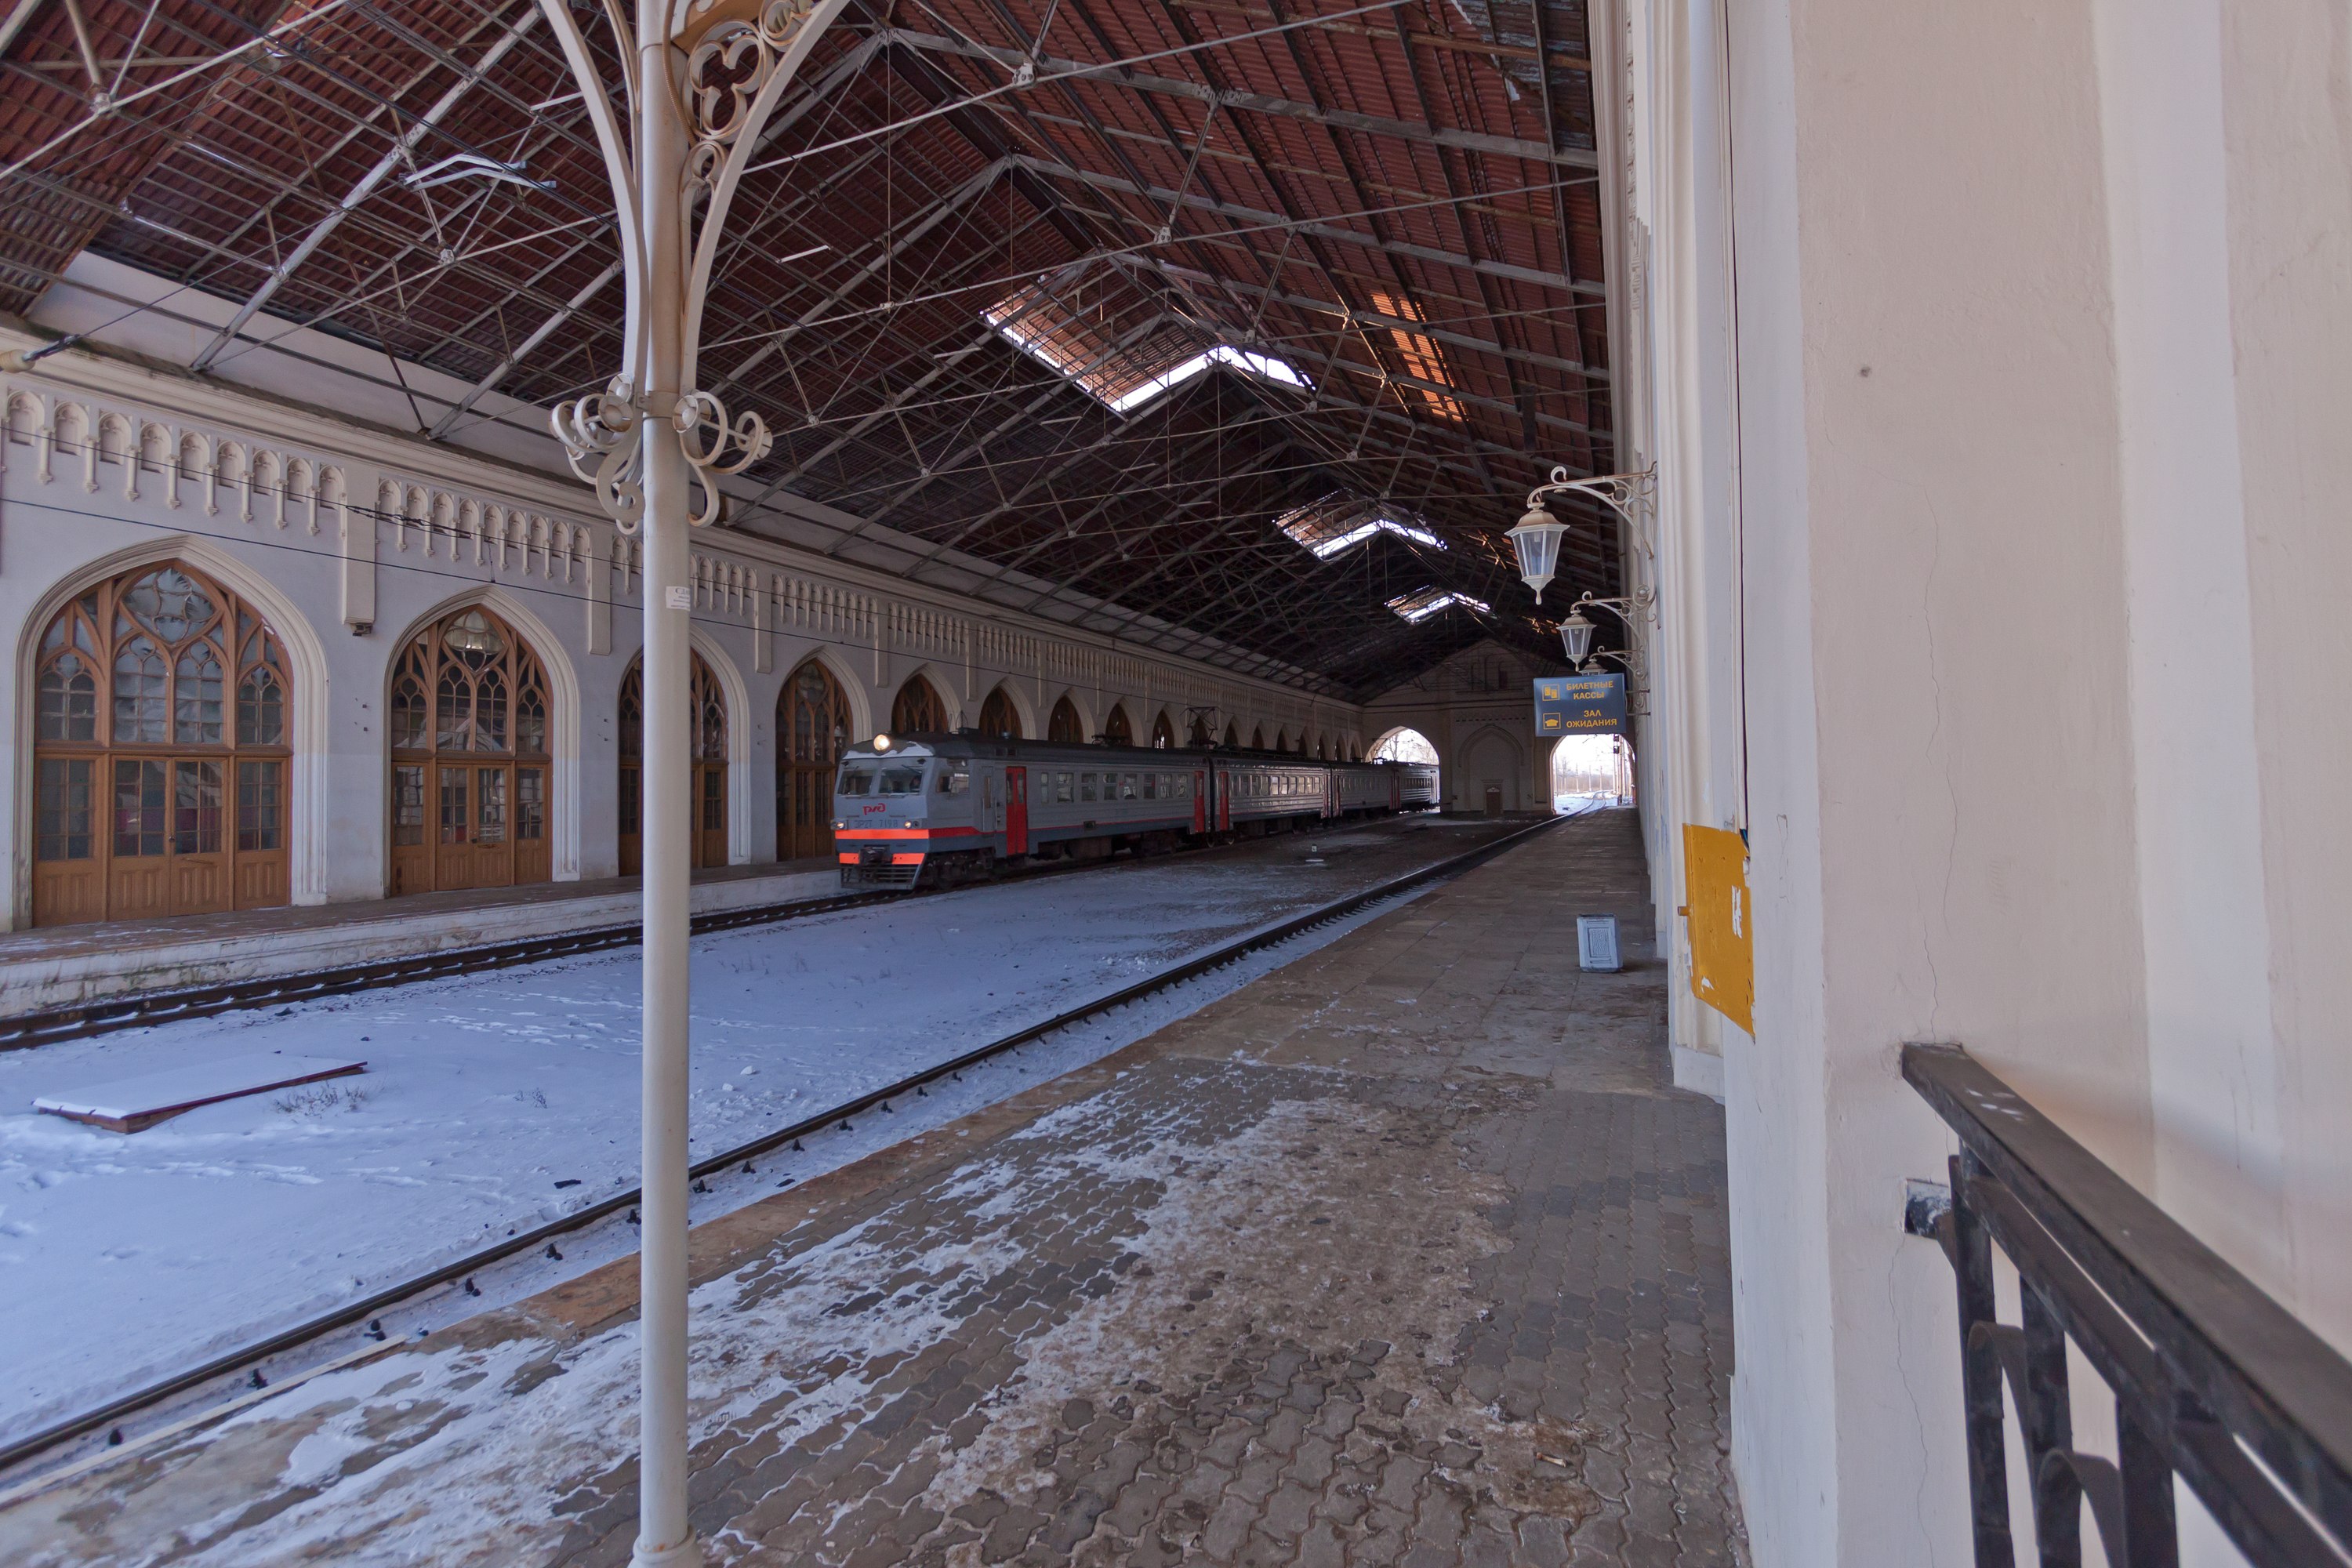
{"x":2034,"y":423}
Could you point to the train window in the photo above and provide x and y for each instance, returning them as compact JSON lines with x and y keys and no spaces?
{"x":955,"y":778}
{"x":1127,"y":787}
{"x":1086,"y":786}
{"x":1152,"y":786}
{"x":1062,"y":788}
{"x":900,"y":780}
{"x":856,"y":781}
{"x":1184,"y":787}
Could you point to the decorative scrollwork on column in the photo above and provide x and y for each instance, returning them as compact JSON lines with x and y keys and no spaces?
{"x":716,"y":445}
{"x":727,"y":67}
{"x":599,"y":432}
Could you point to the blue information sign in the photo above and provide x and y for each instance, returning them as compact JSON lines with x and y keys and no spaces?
{"x":1581,"y":705}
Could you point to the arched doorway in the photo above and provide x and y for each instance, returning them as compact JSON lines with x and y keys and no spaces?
{"x":1163,"y":733}
{"x":998,"y":720}
{"x":1402,"y":745}
{"x":1200,"y":736}
{"x":917,"y":710}
{"x":812,"y":731}
{"x":161,"y":705}
{"x":1233,"y":736}
{"x":1588,"y":771}
{"x":1064,"y":724}
{"x":469,"y":758}
{"x":1116,"y":728}
{"x":1258,"y":738}
{"x":706,"y":743}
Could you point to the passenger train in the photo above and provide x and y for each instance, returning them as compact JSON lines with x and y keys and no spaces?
{"x":935,"y":810}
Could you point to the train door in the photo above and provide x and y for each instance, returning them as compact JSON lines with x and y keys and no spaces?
{"x":1201,"y":801}
{"x":1396,"y":789}
{"x":1016,"y":811}
{"x":1224,"y":800}
{"x":992,"y":801}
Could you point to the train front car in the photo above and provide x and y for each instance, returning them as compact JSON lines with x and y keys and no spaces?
{"x":901,"y":805}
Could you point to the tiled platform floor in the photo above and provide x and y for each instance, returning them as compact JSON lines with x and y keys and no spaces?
{"x":1403,"y":1255}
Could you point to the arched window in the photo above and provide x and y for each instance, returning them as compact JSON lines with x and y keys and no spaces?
{"x":1233,"y":736}
{"x":812,"y":731}
{"x":470,"y":742}
{"x":1116,"y":728}
{"x":918,"y":709}
{"x":1258,"y":738}
{"x":160,"y":746}
{"x":1064,"y":724}
{"x":707,"y":842}
{"x":998,"y":720}
{"x":1163,"y":733}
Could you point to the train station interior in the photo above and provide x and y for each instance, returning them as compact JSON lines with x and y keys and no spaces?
{"x":956,"y":782}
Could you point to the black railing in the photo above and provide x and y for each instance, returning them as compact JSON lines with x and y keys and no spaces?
{"x":2213,"y":1381}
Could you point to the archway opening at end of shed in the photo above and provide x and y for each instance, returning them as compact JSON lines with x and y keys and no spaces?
{"x":1402,"y":745}
{"x":1588,"y":772}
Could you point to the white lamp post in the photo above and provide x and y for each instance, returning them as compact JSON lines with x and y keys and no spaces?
{"x":700,"y":80}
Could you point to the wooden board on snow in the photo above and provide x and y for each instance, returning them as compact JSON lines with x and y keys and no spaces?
{"x":135,"y":1104}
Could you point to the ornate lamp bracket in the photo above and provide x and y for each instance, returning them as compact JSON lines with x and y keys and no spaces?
{"x":1624,"y":493}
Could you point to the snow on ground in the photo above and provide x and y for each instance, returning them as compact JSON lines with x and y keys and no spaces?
{"x":503,"y":1099}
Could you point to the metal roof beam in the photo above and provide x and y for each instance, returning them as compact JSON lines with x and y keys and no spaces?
{"x":1161,"y":197}
{"x":1260,"y":104}
{"x":366,"y":187}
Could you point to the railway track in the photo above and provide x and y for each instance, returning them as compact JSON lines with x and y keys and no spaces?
{"x":246,"y":1374}
{"x":137,"y":1010}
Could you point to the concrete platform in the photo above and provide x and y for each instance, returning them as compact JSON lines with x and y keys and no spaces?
{"x":1407,"y":1253}
{"x":66,"y":966}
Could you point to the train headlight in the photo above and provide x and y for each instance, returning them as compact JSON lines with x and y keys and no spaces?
{"x":881,"y":743}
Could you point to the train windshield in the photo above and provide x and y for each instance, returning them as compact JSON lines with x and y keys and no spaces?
{"x":890,"y":778}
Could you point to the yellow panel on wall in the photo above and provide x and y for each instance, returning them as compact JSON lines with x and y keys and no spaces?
{"x":1722,"y":934}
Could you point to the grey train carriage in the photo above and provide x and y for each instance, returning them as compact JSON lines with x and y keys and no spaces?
{"x":941,"y":809}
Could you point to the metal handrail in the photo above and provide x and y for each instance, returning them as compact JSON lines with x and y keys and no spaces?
{"x":2213,"y":1380}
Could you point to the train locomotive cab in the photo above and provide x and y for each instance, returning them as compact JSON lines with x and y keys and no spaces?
{"x":897,"y":805}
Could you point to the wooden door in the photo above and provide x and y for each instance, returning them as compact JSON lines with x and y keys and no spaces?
{"x":710,"y":846}
{"x":139,"y":884}
{"x":472,"y":804}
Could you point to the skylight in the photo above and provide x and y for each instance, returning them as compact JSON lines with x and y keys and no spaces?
{"x":1341,"y":521}
{"x":1119,"y":342}
{"x":1419,"y":605}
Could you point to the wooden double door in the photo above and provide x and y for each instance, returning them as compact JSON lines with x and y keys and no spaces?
{"x":468,"y":823}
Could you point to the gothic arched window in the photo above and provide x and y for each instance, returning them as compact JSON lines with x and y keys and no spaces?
{"x":918,"y":709}
{"x":706,"y":753}
{"x":470,"y":762}
{"x":159,"y":752}
{"x":812,"y":731}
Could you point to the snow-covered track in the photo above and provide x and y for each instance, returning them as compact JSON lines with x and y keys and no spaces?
{"x":142,"y":1009}
{"x":313,"y":1345}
